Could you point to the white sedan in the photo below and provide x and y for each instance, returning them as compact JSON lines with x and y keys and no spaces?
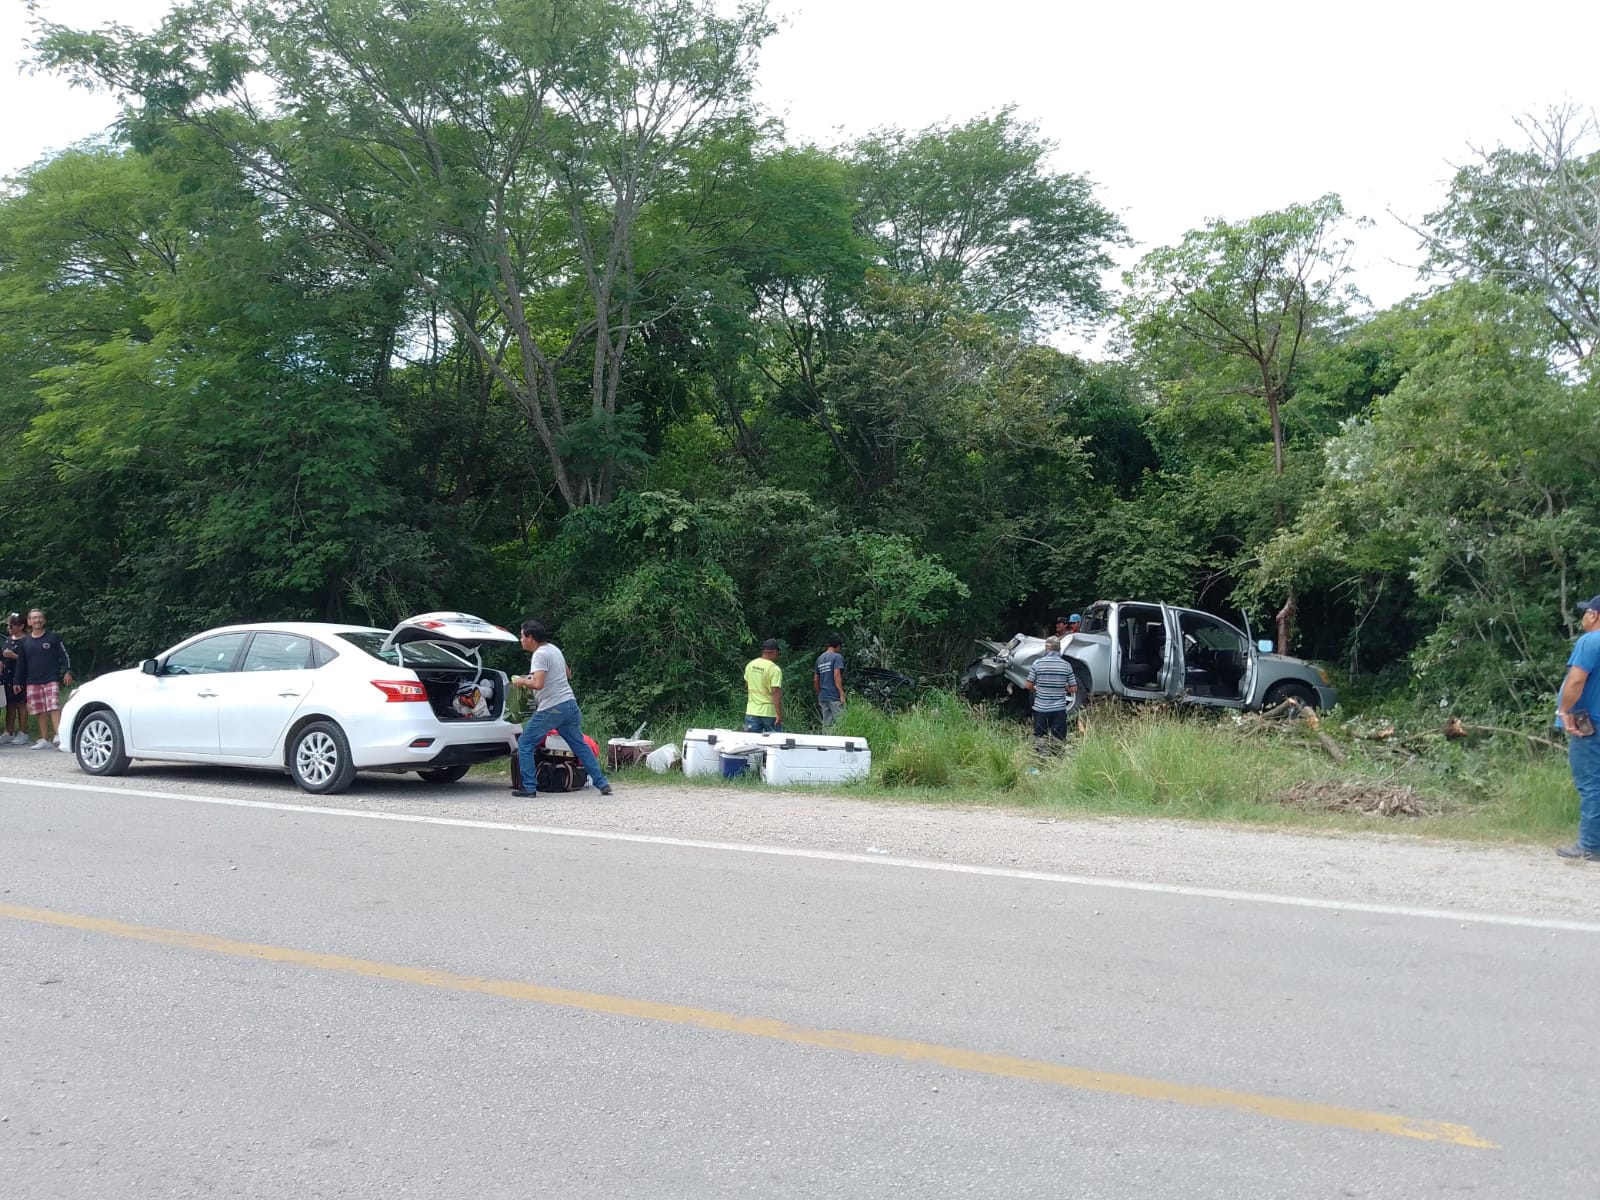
{"x":321,"y":701}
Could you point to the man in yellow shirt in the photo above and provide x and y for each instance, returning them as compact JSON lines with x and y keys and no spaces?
{"x":763,"y":682}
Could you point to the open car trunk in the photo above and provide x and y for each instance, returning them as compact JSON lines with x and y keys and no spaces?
{"x":465,"y":694}
{"x":432,"y":645}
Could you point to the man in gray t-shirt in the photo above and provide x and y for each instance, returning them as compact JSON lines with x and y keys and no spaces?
{"x":549,"y":662}
{"x":827,"y":677}
{"x":557,"y":709}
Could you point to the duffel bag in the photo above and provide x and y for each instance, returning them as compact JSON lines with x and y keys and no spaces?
{"x":559,"y":773}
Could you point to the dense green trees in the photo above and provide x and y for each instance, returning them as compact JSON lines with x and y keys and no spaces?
{"x":971,"y":208}
{"x":1528,"y":217}
{"x":1468,"y":488}
{"x":373,"y":308}
{"x":1231,"y":312}
{"x":503,"y":159}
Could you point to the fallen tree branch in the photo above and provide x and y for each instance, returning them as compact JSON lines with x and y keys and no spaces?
{"x":1455,"y":731}
{"x":1514,"y":733}
{"x":1335,"y":751}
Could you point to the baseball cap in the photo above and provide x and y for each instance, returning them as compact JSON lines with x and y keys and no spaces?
{"x":770,"y":644}
{"x":1062,"y":620}
{"x":1075,"y":617}
{"x":1593,"y":603}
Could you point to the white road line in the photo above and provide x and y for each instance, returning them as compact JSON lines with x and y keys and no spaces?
{"x":871,"y":860}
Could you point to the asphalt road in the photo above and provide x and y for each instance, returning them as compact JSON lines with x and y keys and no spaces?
{"x":199,"y":1000}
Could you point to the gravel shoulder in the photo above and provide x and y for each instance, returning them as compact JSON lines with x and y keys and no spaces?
{"x":1378,"y":867}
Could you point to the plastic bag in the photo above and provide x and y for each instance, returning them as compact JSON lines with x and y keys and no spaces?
{"x":472,"y":698}
{"x":518,"y":705}
{"x":663,"y":758}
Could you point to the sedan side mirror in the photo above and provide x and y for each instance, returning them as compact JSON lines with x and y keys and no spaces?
{"x":150,"y":667}
{"x":1265,"y":646}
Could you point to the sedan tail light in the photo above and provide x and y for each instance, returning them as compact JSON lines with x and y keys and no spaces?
{"x":400,"y":691}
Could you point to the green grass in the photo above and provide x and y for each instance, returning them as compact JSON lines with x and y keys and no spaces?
{"x":1143,"y":761}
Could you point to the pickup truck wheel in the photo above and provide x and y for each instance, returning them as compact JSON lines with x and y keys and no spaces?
{"x":1279,"y":692}
{"x":1085,"y":686}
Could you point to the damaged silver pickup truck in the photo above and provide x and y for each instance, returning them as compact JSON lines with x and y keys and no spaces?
{"x":1142,"y":651}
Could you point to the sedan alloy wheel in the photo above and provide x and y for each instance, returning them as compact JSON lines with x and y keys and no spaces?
{"x":319,"y":759}
{"x":99,"y":744}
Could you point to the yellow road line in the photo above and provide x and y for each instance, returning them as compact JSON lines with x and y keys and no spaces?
{"x":1001,"y":1065}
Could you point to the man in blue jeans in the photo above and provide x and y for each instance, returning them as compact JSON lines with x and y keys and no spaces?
{"x":1576,"y":709}
{"x":556,"y":708}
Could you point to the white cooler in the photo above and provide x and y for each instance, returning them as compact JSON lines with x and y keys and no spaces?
{"x":702,"y":749}
{"x":814,"y":758}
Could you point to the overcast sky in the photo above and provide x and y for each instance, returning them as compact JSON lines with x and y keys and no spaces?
{"x":1180,"y":112}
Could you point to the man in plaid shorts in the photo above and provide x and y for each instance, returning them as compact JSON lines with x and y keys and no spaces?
{"x":44,"y":666}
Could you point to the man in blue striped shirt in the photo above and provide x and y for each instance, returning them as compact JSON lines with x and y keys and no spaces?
{"x":1051,"y":680}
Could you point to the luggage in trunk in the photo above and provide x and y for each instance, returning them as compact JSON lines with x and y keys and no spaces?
{"x":464,"y":695}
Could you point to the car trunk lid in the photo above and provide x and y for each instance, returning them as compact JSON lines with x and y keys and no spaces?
{"x":459,"y":631}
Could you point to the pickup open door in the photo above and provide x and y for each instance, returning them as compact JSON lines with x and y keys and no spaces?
{"x":1144,"y":658}
{"x":1216,"y":660}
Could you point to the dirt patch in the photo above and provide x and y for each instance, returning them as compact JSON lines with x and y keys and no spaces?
{"x":1360,"y":796}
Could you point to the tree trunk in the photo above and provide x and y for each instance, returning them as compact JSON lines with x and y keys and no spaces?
{"x":1286,"y":623}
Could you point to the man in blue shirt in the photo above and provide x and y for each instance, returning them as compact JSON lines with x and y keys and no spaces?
{"x":827,"y":677}
{"x":1577,"y":706}
{"x":1051,"y":680}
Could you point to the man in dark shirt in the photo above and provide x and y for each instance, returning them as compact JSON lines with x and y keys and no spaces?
{"x":827,"y":677}
{"x":13,"y":684}
{"x":45,"y":667}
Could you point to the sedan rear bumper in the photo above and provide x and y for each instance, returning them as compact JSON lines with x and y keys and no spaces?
{"x":430,"y":744}
{"x":469,"y":753}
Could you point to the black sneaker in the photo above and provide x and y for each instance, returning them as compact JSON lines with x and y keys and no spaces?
{"x":606,"y":791}
{"x":522,"y":795}
{"x":1578,"y":854}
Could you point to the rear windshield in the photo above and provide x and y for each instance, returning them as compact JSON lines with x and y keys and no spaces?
{"x":417,"y":654}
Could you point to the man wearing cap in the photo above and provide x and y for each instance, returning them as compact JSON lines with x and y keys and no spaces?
{"x":1576,"y":707}
{"x":763,"y":684}
{"x":1067,"y":626}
